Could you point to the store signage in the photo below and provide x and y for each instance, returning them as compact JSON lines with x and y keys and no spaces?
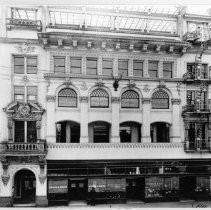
{"x":58,"y":186}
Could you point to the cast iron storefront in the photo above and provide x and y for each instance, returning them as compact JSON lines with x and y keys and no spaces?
{"x":122,"y":181}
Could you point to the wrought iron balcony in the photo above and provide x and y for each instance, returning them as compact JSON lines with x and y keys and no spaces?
{"x":198,"y":145}
{"x":191,"y":36}
{"x":27,"y":148}
{"x":24,"y":23}
{"x":194,"y":108}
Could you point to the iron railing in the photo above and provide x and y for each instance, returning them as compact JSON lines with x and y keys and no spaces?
{"x":197,"y":145}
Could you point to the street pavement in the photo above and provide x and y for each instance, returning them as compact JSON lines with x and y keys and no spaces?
{"x":83,"y":206}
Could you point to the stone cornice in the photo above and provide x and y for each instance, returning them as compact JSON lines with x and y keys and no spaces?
{"x":18,"y":40}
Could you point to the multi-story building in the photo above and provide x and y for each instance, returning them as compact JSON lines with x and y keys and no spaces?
{"x":110,"y":98}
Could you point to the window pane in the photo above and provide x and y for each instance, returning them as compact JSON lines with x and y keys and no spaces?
{"x":91,"y":66}
{"x":122,"y":72}
{"x":75,"y":65}
{"x":107,"y":67}
{"x":123,"y":64}
{"x":153,"y":65}
{"x":153,"y":74}
{"x":167,"y":70}
{"x":32,"y":93}
{"x":59,"y":65}
{"x":67,"y":98}
{"x":19,"y":65}
{"x":19,"y":90}
{"x":167,"y":74}
{"x":160,"y":100}
{"x":32,"y":65}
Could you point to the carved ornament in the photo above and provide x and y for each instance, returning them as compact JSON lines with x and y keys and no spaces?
{"x":176,"y":101}
{"x":84,"y":99}
{"x":5,"y":179}
{"x":115,"y":100}
{"x":42,"y":178}
{"x":24,"y":48}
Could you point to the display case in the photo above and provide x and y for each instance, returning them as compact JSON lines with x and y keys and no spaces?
{"x":161,"y":188}
{"x":202,"y":190}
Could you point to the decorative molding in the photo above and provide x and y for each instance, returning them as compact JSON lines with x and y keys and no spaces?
{"x":84,"y":99}
{"x":161,"y":84}
{"x":89,"y":44}
{"x":84,"y":86}
{"x":175,"y":101}
{"x":158,"y":47}
{"x":75,"y":43}
{"x":171,"y":49}
{"x":146,"y":88}
{"x":67,"y":81}
{"x":131,"y":84}
{"x":131,"y":47}
{"x":42,"y":178}
{"x":146,"y":100}
{"x":118,"y":46}
{"x":115,"y":100}
{"x":5,"y":179}
{"x":50,"y":98}
{"x":144,"y":48}
{"x":60,"y":44}
{"x":114,"y":145}
{"x":103,"y":45}
{"x":25,"y":79}
{"x":100,"y":83}
{"x":24,"y":48}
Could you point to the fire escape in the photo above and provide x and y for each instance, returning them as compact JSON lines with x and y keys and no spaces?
{"x":196,"y":113}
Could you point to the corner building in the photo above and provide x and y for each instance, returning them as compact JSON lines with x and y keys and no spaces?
{"x":108,"y":98}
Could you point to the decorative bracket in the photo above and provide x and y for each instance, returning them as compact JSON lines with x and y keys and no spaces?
{"x":5,"y":179}
{"x":99,"y":83}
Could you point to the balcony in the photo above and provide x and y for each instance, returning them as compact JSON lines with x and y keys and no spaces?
{"x":17,"y":148}
{"x":199,"y":145}
{"x":191,"y":77}
{"x":191,"y":36}
{"x":23,"y":24}
{"x":194,"y":108}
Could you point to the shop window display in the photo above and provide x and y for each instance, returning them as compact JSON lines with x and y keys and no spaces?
{"x":202,"y":186}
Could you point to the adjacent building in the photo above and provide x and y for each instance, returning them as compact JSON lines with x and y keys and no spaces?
{"x":105,"y":97}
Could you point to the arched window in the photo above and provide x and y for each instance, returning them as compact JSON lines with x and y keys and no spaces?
{"x":99,"y":98}
{"x":67,"y":97}
{"x":130,"y":99}
{"x":160,"y":100}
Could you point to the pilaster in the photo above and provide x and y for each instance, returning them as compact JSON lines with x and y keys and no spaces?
{"x":146,"y":120}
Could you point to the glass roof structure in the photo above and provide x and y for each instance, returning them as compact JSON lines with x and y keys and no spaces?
{"x":20,"y":13}
{"x":120,"y":17}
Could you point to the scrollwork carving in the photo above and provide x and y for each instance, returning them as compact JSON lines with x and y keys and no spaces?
{"x":5,"y":179}
{"x":42,"y":178}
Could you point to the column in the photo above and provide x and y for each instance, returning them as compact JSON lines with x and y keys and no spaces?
{"x":84,"y":138}
{"x":175,"y":134}
{"x":44,"y":18}
{"x":115,"y":120}
{"x":51,"y":124}
{"x":146,"y":120}
{"x":68,"y":133}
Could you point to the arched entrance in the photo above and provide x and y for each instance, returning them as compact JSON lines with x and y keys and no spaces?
{"x":24,"y":187}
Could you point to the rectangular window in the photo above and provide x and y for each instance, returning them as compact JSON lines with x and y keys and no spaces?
{"x":204,"y":71}
{"x":59,"y":64}
{"x":19,"y":65}
{"x":91,"y":66}
{"x":31,"y":65}
{"x":137,"y":68}
{"x":153,"y":69}
{"x":107,"y":67}
{"x":123,"y":67}
{"x":75,"y":65}
{"x":31,"y":93}
{"x":19,"y":92}
{"x":167,"y":70}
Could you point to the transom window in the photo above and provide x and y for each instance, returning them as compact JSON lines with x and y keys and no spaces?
{"x":160,"y":100}
{"x":59,"y":64}
{"x":67,"y":97}
{"x":130,"y":99}
{"x":99,"y":98}
{"x":25,"y":65}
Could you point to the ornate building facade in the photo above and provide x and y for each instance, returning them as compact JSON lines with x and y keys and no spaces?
{"x":107,"y":98}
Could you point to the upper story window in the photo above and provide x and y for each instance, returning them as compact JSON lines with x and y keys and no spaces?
{"x":130,"y":99}
{"x":75,"y":65}
{"x":202,"y":74}
{"x":123,"y":67}
{"x":153,"y":69}
{"x":193,"y":97}
{"x":160,"y":100}
{"x":91,"y":66}
{"x":24,"y":13}
{"x":107,"y":67}
{"x":137,"y":68}
{"x":167,"y":70}
{"x":59,"y":64}
{"x":99,"y":98}
{"x":25,"y":65}
{"x":67,"y":97}
{"x":22,"y":93}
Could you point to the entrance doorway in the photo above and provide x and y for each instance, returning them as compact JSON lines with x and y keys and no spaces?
{"x":187,"y":187}
{"x":78,"y":189}
{"x":24,"y":187}
{"x":135,"y":189}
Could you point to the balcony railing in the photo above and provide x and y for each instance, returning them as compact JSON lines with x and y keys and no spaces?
{"x":15,"y":147}
{"x":191,"y":77}
{"x":197,"y":145}
{"x":202,"y":107}
{"x":191,"y":36}
{"x":24,"y":23}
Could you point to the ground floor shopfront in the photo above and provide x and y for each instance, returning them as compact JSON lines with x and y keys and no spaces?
{"x":122,"y":181}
